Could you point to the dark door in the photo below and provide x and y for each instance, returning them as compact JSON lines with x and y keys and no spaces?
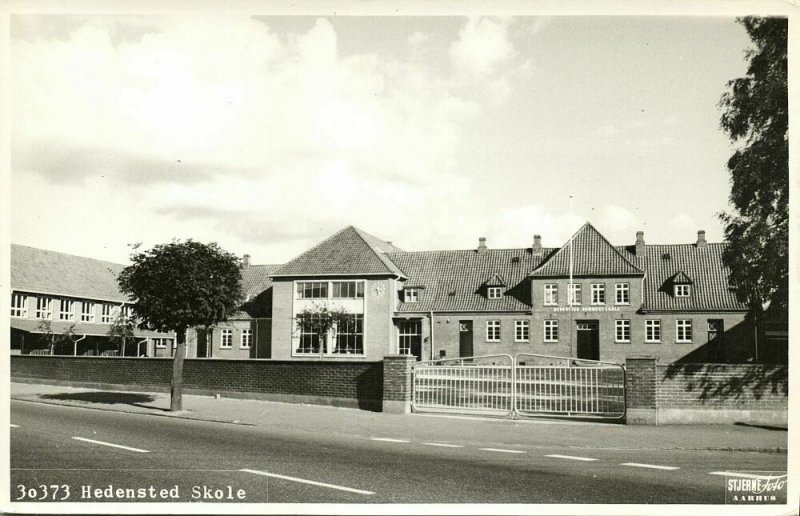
{"x":202,"y":344}
{"x":716,"y":330}
{"x":465,"y":339}
{"x":588,"y":340}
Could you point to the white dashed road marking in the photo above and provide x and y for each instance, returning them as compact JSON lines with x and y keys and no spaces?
{"x":743,"y":475}
{"x":111,"y":444}
{"x":650,"y":466}
{"x":311,"y":482}
{"x":502,"y":450}
{"x":444,"y":445}
{"x":571,"y":457}
{"x":389,"y":440}
{"x":13,"y":425}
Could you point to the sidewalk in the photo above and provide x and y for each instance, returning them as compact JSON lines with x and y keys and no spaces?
{"x":353,"y":422}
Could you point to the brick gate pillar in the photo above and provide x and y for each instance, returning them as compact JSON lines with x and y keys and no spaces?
{"x":640,"y":391}
{"x":397,"y":383}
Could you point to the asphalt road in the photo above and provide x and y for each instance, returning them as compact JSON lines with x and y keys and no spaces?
{"x":87,"y":450}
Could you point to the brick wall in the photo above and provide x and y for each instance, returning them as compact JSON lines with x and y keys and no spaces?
{"x":353,"y":384}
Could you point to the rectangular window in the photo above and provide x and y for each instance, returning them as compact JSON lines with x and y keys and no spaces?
{"x":683,"y":330}
{"x":598,"y":294}
{"x":550,"y":294}
{"x":551,"y":330}
{"x":87,"y":311}
{"x":652,"y":330}
{"x":309,"y":341}
{"x":495,"y":293}
{"x":574,"y":294}
{"x":107,"y":313}
{"x":681,"y":290}
{"x":247,"y":339}
{"x":44,"y":308}
{"x":226,"y":338}
{"x":348,"y":289}
{"x":66,"y":310}
{"x":126,"y":312}
{"x":622,"y":294}
{"x":622,"y":330}
{"x":521,"y":331}
{"x":411,"y":295}
{"x":160,"y":343}
{"x":19,"y":305}
{"x":349,"y":336}
{"x":312,"y":290}
{"x":409,"y":333}
{"x":492,"y":331}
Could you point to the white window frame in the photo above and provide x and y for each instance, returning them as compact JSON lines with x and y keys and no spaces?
{"x":622,"y":290}
{"x":226,"y":338}
{"x":106,"y":313}
{"x":574,"y":294}
{"x":19,"y":305}
{"x":300,"y":289}
{"x":246,"y":339}
{"x":66,"y":310}
{"x":334,"y":349}
{"x":598,"y":291}
{"x":652,"y":330}
{"x":358,"y":285}
{"x":87,"y":315}
{"x":161,"y":342}
{"x":622,"y":330}
{"x":494,"y":292}
{"x":683,"y":328}
{"x":405,"y":335}
{"x":522,"y":331}
{"x":411,"y":295}
{"x":550,"y":330}
{"x":126,"y":312}
{"x":493,"y":330}
{"x":683,"y":290}
{"x":550,"y":294}
{"x":44,"y":307}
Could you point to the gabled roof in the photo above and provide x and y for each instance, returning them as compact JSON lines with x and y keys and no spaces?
{"x":40,"y":271}
{"x":495,"y":280}
{"x":256,"y":279}
{"x":592,"y":255}
{"x":350,"y":252}
{"x":681,"y":278}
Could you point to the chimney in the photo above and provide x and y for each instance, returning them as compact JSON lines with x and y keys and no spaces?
{"x":701,"y":239}
{"x":640,"y":243}
{"x":482,"y":245}
{"x":246,"y":260}
{"x":536,"y":250}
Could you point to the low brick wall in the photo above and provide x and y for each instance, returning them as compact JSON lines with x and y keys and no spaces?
{"x":341,"y":383}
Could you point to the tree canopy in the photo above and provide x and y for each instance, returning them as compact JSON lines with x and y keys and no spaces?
{"x":756,"y":118}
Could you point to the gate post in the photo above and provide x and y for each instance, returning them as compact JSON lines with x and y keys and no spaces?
{"x":640,"y":387}
{"x":397,"y":388}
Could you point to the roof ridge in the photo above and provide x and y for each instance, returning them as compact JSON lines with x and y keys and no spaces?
{"x":473,"y":250}
{"x":378,"y":253}
{"x":612,"y":246}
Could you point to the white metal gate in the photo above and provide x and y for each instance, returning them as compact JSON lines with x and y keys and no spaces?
{"x":525,"y":385}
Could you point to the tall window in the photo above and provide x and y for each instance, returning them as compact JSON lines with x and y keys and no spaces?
{"x":87,"y":311}
{"x":598,"y":294}
{"x":652,"y":330}
{"x":44,"y":308}
{"x":521,"y":331}
{"x":550,"y":294}
{"x":66,"y":310}
{"x":551,"y":330}
{"x":349,"y":335}
{"x":409,"y":333}
{"x":19,"y":305}
{"x":227,"y":338}
{"x":106,"y":313}
{"x":622,"y":293}
{"x":683,"y":330}
{"x":348,"y":289}
{"x":574,"y":294}
{"x":126,"y":312}
{"x":682,"y":290}
{"x":410,"y":295}
{"x":247,"y":339}
{"x":312,"y":290}
{"x":492,"y":331}
{"x":495,"y":293}
{"x":310,"y":341}
{"x":622,"y":330}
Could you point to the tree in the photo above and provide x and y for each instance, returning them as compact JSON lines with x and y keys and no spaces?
{"x":181,"y":285}
{"x":120,"y":332}
{"x":319,"y":320}
{"x":756,"y":119}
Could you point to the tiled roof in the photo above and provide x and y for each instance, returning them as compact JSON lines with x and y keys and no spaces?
{"x":455,"y":280}
{"x":79,"y":328}
{"x":592,"y":255}
{"x":48,"y":272}
{"x":256,"y":286}
{"x":350,"y":252}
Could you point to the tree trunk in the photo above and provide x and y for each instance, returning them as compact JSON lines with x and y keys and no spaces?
{"x":176,"y":392}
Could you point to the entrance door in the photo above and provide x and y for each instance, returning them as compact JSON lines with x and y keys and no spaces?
{"x":465,"y":339}
{"x":409,"y":334}
{"x":588,"y":340}
{"x":202,"y":343}
{"x":716,"y":330}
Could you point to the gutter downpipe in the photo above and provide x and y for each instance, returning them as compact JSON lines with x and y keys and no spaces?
{"x":75,"y":345}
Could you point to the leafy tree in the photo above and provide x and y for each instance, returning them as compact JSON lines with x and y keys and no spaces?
{"x":181,"y":285}
{"x":756,"y":119}
{"x":120,"y":332}
{"x":321,"y":319}
{"x":46,"y":336}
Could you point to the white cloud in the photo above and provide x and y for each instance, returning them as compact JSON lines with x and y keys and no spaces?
{"x":483,"y":44}
{"x":617,"y":219}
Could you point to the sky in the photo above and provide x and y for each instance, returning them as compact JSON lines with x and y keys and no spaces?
{"x":266,"y":134}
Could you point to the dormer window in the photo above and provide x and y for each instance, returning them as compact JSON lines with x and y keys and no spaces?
{"x":411,"y":295}
{"x":494,"y":292}
{"x":682,"y":290}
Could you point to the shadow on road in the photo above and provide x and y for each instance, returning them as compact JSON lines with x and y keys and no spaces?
{"x":106,"y":397}
{"x":765,"y":427}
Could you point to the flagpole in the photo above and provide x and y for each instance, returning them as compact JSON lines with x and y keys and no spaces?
{"x":570,"y":290}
